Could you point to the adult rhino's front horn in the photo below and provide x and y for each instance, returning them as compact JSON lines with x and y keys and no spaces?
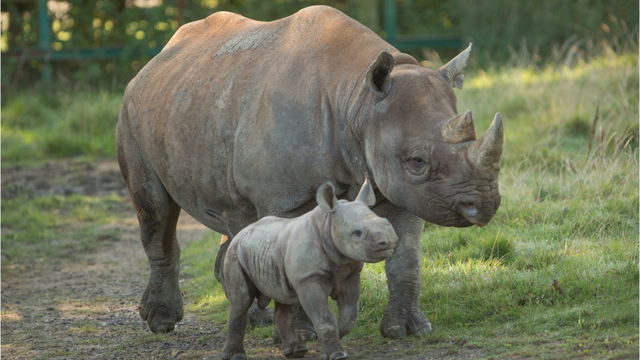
{"x":485,"y":152}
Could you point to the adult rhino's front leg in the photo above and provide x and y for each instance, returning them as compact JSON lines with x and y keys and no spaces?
{"x":161,"y":302}
{"x":402,"y":316}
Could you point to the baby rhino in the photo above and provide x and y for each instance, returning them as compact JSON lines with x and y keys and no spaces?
{"x":304,"y":261}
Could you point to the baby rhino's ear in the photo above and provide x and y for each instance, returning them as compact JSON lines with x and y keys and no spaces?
{"x":326,"y":197}
{"x":366,"y":194}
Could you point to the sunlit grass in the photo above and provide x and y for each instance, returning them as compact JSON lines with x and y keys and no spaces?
{"x":549,"y":112}
{"x":206,"y":296}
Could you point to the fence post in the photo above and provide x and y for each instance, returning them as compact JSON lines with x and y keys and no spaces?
{"x":390,"y":26}
{"x":44,"y":37}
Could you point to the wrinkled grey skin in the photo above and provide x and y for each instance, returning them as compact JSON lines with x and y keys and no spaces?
{"x":304,"y":261}
{"x":248,"y":119}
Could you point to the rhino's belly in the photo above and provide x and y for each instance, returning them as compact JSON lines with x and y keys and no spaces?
{"x":263,"y":263}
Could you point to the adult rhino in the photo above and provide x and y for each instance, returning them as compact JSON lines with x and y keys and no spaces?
{"x":250,"y":118}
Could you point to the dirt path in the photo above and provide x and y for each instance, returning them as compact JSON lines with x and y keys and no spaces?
{"x":84,"y":306}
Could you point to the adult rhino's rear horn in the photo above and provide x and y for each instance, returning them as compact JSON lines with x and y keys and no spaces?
{"x":485,"y":152}
{"x":452,"y":71}
{"x":459,"y":128}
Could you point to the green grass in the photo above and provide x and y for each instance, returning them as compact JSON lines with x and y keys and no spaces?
{"x":554,"y":275}
{"x":51,"y":227}
{"x":205,"y":294}
{"x":36,"y":128}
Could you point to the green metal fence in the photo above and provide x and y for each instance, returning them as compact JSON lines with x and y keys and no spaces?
{"x":47,"y":55}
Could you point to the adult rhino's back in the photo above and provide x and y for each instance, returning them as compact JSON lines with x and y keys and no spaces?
{"x":241,"y":116}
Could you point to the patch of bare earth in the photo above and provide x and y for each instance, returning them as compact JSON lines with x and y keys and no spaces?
{"x":84,"y":306}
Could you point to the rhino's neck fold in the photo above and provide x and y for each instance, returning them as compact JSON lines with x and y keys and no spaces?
{"x":353,"y":119}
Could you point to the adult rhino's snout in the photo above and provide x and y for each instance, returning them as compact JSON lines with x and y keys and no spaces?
{"x":478,"y":213}
{"x":470,"y":212}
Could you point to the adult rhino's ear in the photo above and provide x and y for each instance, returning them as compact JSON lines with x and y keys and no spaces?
{"x":326,"y":197}
{"x":366,"y":194}
{"x":379,"y":74}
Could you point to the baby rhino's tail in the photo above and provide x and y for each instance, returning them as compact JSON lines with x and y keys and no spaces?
{"x":219,"y":264}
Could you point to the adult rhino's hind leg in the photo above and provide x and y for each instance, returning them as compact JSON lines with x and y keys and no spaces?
{"x":161,"y":302}
{"x":402,"y":316}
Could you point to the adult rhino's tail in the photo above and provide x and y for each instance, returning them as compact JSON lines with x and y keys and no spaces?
{"x":224,"y":245}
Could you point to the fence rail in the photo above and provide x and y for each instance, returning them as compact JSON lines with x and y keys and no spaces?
{"x":47,"y":55}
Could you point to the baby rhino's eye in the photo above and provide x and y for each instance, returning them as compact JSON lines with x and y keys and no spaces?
{"x":357,"y":233}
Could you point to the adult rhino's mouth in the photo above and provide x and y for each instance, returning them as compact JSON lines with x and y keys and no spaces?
{"x":471,"y":214}
{"x":478,"y":213}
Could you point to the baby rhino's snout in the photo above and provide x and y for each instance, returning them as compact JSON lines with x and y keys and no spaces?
{"x":383,"y":244}
{"x":384,"y":239}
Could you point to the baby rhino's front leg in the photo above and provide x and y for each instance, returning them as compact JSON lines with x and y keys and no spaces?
{"x":283,"y":318}
{"x":240,"y":293}
{"x":314,"y":302}
{"x":349,"y":303}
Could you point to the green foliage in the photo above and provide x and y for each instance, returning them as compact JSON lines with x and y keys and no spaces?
{"x":500,"y":29}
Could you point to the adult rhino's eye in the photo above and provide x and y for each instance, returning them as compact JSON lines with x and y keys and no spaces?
{"x":357,"y":233}
{"x":417,"y":162}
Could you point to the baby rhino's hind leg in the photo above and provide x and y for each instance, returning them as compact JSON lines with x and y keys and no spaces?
{"x":284,"y":316}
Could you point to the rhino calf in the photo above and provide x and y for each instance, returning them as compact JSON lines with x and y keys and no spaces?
{"x":303,"y":261}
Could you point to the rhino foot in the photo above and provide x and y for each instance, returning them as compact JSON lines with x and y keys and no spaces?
{"x":296,"y":351}
{"x":227,"y":356}
{"x":260,"y":317}
{"x":415,"y":324}
{"x":160,"y":318}
{"x":304,"y":332}
{"x":338,"y":355}
{"x":233,"y":351}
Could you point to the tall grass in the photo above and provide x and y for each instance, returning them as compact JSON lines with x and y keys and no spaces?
{"x":35,"y":127}
{"x":542,"y":27}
